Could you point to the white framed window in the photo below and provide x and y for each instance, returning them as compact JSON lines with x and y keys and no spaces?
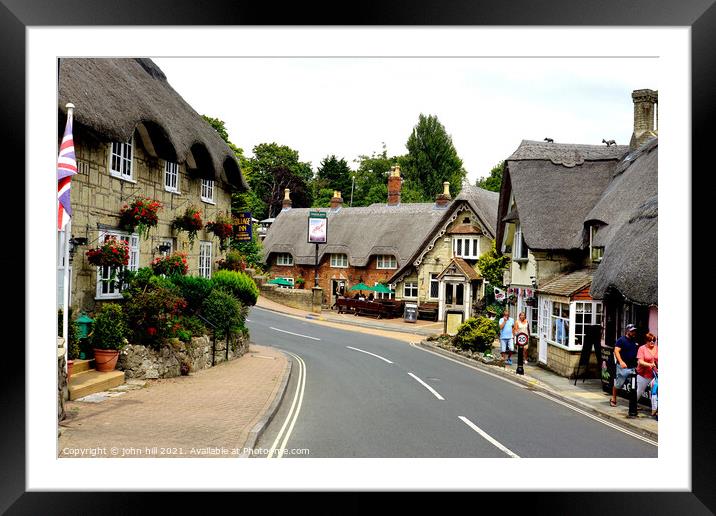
{"x":108,"y":284}
{"x":207,"y":190}
{"x":410,"y":289}
{"x":284,"y":259}
{"x":595,"y":252}
{"x":559,"y":324}
{"x":386,"y":261}
{"x":385,"y":295}
{"x":585,"y":314}
{"x":519,"y":248}
{"x":171,"y":177}
{"x":466,"y":247}
{"x":339,"y":260}
{"x":120,"y":160}
{"x":434,"y":285}
{"x":290,"y":280}
{"x":205,"y":259}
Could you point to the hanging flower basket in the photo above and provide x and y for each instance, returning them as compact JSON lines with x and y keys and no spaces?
{"x":112,"y":253}
{"x":222,"y":228}
{"x":190,"y":222}
{"x":141,"y":215}
{"x":530,"y":301}
{"x":170,"y":265}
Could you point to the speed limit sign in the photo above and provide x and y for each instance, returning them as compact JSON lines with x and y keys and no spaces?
{"x":522,"y":339}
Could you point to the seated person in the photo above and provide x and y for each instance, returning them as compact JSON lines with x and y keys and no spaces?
{"x":357,"y":296}
{"x":370,"y":297}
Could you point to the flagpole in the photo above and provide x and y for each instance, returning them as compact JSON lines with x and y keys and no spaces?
{"x":66,"y":272}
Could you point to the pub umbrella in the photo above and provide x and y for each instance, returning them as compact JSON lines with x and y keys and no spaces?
{"x":360,"y":286}
{"x":280,"y":281}
{"x":382,"y":289}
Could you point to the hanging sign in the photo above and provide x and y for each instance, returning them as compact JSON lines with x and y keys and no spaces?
{"x":499,"y":294}
{"x":242,"y":227}
{"x":317,"y":227}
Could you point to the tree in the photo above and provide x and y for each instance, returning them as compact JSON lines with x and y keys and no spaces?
{"x":274,"y":168}
{"x":371,"y":178}
{"x":493,"y":182}
{"x":431,"y":160}
{"x":335,"y":174}
{"x":492,"y":266}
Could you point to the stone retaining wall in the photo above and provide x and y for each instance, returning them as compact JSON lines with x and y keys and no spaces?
{"x":143,"y":362}
{"x":295,"y":298}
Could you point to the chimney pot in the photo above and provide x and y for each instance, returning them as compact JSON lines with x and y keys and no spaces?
{"x":286,"y":204}
{"x":443,"y":199}
{"x":395,"y":183}
{"x":336,"y":200}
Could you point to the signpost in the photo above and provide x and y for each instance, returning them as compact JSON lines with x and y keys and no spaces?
{"x":317,"y":233}
{"x":522,"y":339}
{"x":242,"y":227}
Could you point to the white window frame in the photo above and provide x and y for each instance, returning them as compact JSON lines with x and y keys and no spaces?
{"x":119,"y":151}
{"x":339,"y":260}
{"x":104,"y":273}
{"x":518,"y":245}
{"x":551,"y":337}
{"x":386,"y":261}
{"x":592,"y":232}
{"x":205,"y":259}
{"x":284,"y":259}
{"x":207,"y":190}
{"x":471,"y":244}
{"x":596,"y":316}
{"x":289,"y":280}
{"x":413,"y":287}
{"x":383,"y":295}
{"x":434,"y":279}
{"x":171,"y":177}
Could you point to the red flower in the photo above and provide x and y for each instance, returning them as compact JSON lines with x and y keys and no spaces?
{"x":152,"y":331}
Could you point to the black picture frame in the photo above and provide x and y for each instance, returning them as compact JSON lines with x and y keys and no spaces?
{"x":17,"y":15}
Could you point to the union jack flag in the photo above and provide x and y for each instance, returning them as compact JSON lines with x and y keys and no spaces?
{"x":66,"y":168}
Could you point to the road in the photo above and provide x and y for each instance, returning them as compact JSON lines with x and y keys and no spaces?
{"x":358,"y":395}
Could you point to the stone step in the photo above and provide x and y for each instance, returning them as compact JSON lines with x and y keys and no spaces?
{"x":82,"y":365}
{"x":92,"y":381}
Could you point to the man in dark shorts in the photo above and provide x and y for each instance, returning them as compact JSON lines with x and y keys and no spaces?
{"x":625,"y":351}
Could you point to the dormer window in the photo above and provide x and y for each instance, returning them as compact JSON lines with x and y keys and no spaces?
{"x":595,"y":252}
{"x":120,"y":159}
{"x":207,"y":191}
{"x":519,"y":247}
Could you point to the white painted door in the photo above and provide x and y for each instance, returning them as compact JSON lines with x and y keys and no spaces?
{"x":544,"y":320}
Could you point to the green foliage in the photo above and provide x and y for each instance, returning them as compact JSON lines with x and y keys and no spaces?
{"x":251,"y":252}
{"x":371,"y":178}
{"x":110,"y":327}
{"x":332,"y":174}
{"x":432,"y":159}
{"x":150,"y":307}
{"x":493,"y":182}
{"x":224,"y":311}
{"x":194,"y":289}
{"x":476,"y":334}
{"x":249,"y":201}
{"x":492,"y":265}
{"x":238,"y":284}
{"x":185,"y":327}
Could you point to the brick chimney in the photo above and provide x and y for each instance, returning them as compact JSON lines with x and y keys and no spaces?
{"x":394,"y":184}
{"x":645,"y":116}
{"x":443,"y":199}
{"x":336,"y":200}
{"x":286,"y":203}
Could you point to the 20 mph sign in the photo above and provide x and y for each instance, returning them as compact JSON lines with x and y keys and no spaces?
{"x":522,"y":339}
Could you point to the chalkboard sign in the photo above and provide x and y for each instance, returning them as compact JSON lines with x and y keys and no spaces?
{"x":592,"y":341}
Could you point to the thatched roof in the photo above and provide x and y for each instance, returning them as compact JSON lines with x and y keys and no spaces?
{"x":115,"y":97}
{"x":630,"y":262}
{"x":568,"y":283}
{"x":567,"y":154}
{"x":359,"y":232}
{"x":634,"y":181}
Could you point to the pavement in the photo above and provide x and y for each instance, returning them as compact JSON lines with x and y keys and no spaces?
{"x":215,"y":412}
{"x":587,"y":395}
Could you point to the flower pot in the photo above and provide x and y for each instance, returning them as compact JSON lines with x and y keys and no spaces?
{"x":70,"y":363}
{"x":105,"y":359}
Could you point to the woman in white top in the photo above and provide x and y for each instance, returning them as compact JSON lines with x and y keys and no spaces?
{"x":522,"y":325}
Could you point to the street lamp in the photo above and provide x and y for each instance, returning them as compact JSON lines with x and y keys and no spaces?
{"x":353,"y":185}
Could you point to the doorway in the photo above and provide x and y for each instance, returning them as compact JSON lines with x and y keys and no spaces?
{"x":338,"y":288}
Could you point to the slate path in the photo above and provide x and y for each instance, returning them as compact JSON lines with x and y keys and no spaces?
{"x":206,"y":414}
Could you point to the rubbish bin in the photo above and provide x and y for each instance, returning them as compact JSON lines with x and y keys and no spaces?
{"x":608,"y":368}
{"x":411,"y":312}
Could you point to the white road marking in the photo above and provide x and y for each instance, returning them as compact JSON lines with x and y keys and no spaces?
{"x":369,"y":353}
{"x":488,"y":437}
{"x":521,"y":386}
{"x":603,"y":421}
{"x":297,"y":398}
{"x":296,"y":334}
{"x":437,"y":395}
{"x":248,"y":320}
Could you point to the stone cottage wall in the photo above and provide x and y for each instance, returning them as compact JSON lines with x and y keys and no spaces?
{"x":98,"y":197}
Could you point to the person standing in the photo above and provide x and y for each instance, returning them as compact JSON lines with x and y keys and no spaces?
{"x":625,"y":351}
{"x":522,"y":325}
{"x":647,"y":362}
{"x":507,"y":346}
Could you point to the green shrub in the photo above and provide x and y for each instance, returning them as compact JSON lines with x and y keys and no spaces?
{"x":109,"y":328}
{"x":238,"y":284}
{"x":234,"y":261}
{"x":194,"y":289}
{"x":186,"y":327}
{"x":476,"y":334}
{"x":224,"y":311}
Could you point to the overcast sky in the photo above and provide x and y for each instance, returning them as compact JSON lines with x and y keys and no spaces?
{"x":349,"y":106}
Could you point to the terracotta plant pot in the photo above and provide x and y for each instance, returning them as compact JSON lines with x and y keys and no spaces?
{"x":70,"y":363}
{"x":105,"y":359}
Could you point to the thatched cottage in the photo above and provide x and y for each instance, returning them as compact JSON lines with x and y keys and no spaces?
{"x":135,"y":136}
{"x":380,"y":243}
{"x":561,"y":207}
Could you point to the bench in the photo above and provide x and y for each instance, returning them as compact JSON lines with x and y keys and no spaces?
{"x":371,"y":308}
{"x":428,"y":311}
